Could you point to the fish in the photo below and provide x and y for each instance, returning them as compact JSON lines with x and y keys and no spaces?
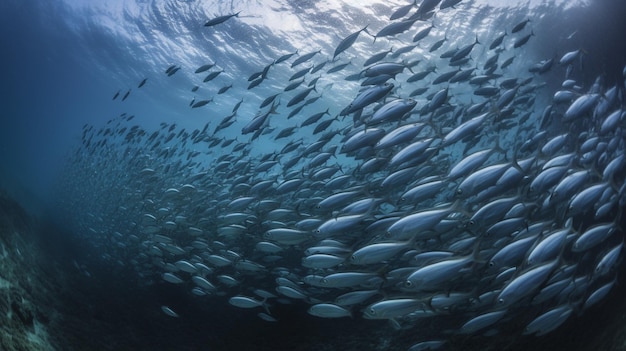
{"x":376,"y":57}
{"x":338,"y":67}
{"x":220,"y":19}
{"x":392,"y":308}
{"x":497,"y":41}
{"x":201,"y":103}
{"x":392,"y":111}
{"x":423,"y":33}
{"x":367,"y":97}
{"x":300,"y":73}
{"x":168,"y":311}
{"x":204,"y":68}
{"x":258,"y":121}
{"x":212,"y":76}
{"x":464,"y":51}
{"x":549,"y":321}
{"x":448,"y":3}
{"x":518,"y":27}
{"x":525,"y":284}
{"x":395,"y":28}
{"x":402,"y":11}
{"x":482,"y":321}
{"x":437,"y":44}
{"x":328,"y":310}
{"x":304,"y":58}
{"x":142,"y":83}
{"x":347,"y":42}
{"x":523,"y":40}
{"x":244,"y":302}
{"x":300,"y":96}
{"x":376,"y":253}
{"x":428,"y":6}
{"x":171,"y":70}
{"x":569,"y":57}
{"x":224,"y":89}
{"x":285,"y":57}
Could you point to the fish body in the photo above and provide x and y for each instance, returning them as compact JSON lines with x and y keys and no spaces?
{"x":220,"y":19}
{"x":347,"y":42}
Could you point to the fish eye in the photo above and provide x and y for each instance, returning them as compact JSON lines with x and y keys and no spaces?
{"x":459,"y":191}
{"x":500,"y":300}
{"x":372,"y":311}
{"x":324,"y":281}
{"x":353,"y":258}
{"x":471,"y":223}
{"x":408,"y":284}
{"x":491,"y":264}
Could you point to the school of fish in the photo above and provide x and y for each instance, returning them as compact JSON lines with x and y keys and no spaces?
{"x":415,"y":201}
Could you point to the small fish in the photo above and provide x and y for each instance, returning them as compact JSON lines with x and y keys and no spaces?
{"x":212,"y":76}
{"x":402,"y":11}
{"x":518,"y":27}
{"x":244,"y":302}
{"x":569,"y":57}
{"x":170,"y":69}
{"x":201,"y":103}
{"x":225,"y":89}
{"x":395,"y":28}
{"x":220,"y":19}
{"x":423,"y":33}
{"x":204,"y":68}
{"x":496,"y":42}
{"x":523,"y":40}
{"x":304,"y":58}
{"x":285,"y":57}
{"x":329,"y":310}
{"x":168,"y":311}
{"x":142,"y":83}
{"x":388,"y":309}
{"x":347,"y":42}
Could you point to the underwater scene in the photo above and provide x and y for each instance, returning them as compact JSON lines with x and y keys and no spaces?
{"x":313,"y":175}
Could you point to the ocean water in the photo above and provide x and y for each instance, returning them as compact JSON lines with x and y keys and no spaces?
{"x":153,"y":196}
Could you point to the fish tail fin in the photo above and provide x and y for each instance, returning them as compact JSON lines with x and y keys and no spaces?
{"x":497,"y":148}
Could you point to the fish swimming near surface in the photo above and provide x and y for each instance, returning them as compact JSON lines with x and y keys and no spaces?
{"x":220,"y":19}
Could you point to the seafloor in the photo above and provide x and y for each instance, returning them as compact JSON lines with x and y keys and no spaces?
{"x":56,"y":294}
